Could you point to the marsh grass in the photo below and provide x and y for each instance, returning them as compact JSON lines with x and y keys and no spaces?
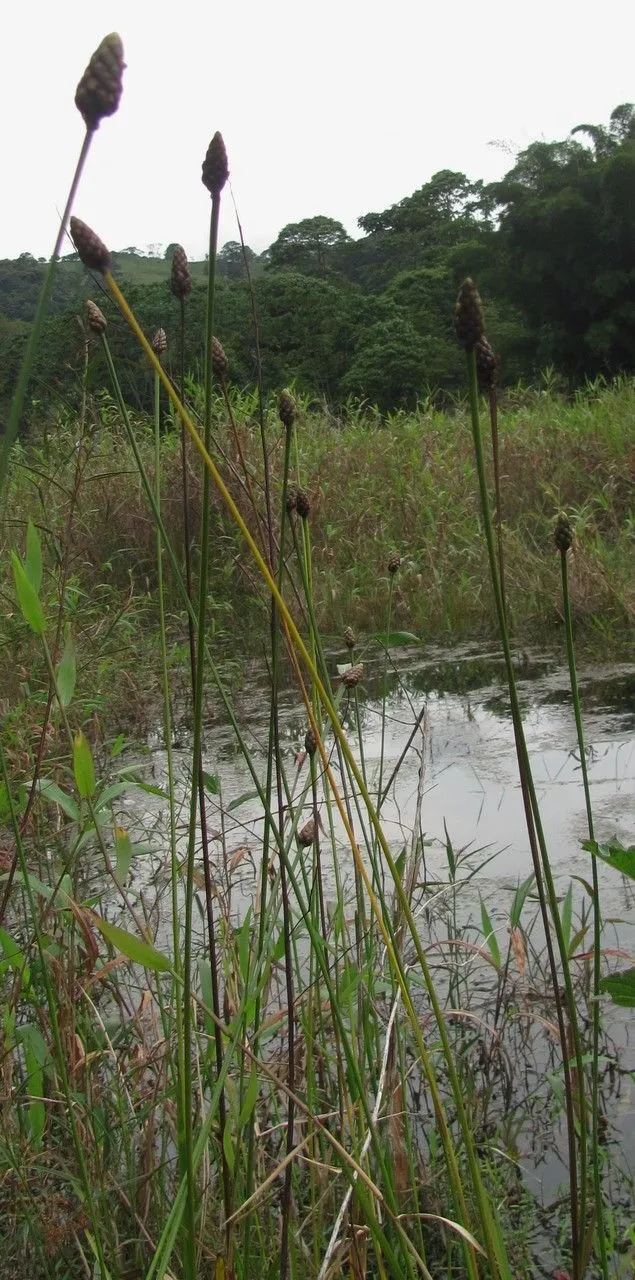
{"x":213,"y":1059}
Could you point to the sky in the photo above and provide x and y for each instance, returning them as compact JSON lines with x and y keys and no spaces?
{"x":336,"y":108}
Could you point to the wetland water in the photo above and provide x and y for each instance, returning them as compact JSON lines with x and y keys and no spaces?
{"x":470,"y":788}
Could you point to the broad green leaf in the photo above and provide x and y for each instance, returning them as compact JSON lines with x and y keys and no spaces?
{"x":621,"y":988}
{"x":247,"y":795}
{"x":111,"y":793}
{"x":36,"y":1057}
{"x":250,"y":1099}
{"x":567,"y":914}
{"x":614,"y":855}
{"x":28,"y":599}
{"x":212,"y":783}
{"x":244,"y":939}
{"x":83,"y":766}
{"x":133,"y":948}
{"x":393,"y":639}
{"x":66,"y":672}
{"x":205,"y":978}
{"x":519,"y":899}
{"x":13,"y":957}
{"x":52,"y":792}
{"x":123,"y":852}
{"x":491,"y":940}
{"x":33,"y":560}
{"x":228,"y":1147}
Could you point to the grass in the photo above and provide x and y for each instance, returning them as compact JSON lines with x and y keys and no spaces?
{"x":226,"y":1060}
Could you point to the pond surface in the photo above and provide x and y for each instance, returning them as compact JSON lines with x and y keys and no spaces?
{"x":456,"y":777}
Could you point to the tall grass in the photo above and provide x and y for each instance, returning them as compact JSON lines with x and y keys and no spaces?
{"x":286,"y":1088}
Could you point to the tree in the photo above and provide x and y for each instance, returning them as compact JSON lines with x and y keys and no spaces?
{"x":231,"y":260}
{"x":388,"y":367}
{"x":308,"y":246}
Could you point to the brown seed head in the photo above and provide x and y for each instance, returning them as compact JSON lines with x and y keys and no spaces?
{"x":215,"y":171}
{"x":349,"y":638}
{"x":95,"y":318}
{"x":486,"y":364}
{"x":291,"y":499}
{"x":287,"y":409}
{"x":303,"y":504}
{"x":159,"y":342}
{"x":353,"y":675}
{"x":220,"y":363}
{"x":310,"y":744}
{"x":90,"y":248}
{"x":180,"y":280}
{"x":563,"y":533}
{"x":468,"y":316}
{"x":99,"y":89}
{"x":306,"y":834}
{"x":394,"y":562}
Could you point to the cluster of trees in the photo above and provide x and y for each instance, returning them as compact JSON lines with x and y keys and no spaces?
{"x":551,"y":246}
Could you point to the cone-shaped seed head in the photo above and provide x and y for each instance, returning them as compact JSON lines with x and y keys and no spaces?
{"x":99,"y":89}
{"x":303,"y":504}
{"x":291,"y":499}
{"x":563,"y":533}
{"x":287,"y":409}
{"x":310,"y":745}
{"x":394,"y":562}
{"x":220,"y":363}
{"x":486,"y":364}
{"x":159,"y":342}
{"x":353,"y":675}
{"x":468,"y":316}
{"x":215,"y":171}
{"x":306,"y":835}
{"x":180,"y":280}
{"x":90,"y":248}
{"x":349,"y":638}
{"x":95,"y":318}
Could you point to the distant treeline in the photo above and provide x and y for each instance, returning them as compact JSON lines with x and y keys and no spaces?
{"x":551,"y":247}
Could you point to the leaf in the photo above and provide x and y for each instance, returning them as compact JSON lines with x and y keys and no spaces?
{"x":52,"y":792}
{"x":133,"y":948}
{"x":13,"y":957}
{"x":249,"y":1100}
{"x":614,"y":855}
{"x":66,"y":672}
{"x":621,"y":988}
{"x":244,"y":939}
{"x":566,"y":917}
{"x":211,"y":782}
{"x":520,"y":897}
{"x":228,"y":1148}
{"x":247,"y":795}
{"x":111,"y":793}
{"x":123,"y":853}
{"x":490,"y":936}
{"x":393,"y":639}
{"x":83,"y":766}
{"x":33,"y":559}
{"x":36,"y":1057}
{"x":28,"y":599}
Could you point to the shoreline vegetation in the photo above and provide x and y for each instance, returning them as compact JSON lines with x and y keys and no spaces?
{"x":340,"y":1078}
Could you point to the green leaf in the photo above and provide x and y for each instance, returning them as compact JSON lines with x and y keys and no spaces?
{"x":228,"y":1147}
{"x":52,"y":792}
{"x":614,"y":855}
{"x":28,"y":599}
{"x":519,"y":899}
{"x":66,"y":672}
{"x":123,"y":852}
{"x":83,"y":766}
{"x":13,"y":957}
{"x":211,"y":782}
{"x":133,"y":948}
{"x":250,"y":1099}
{"x":247,"y":795}
{"x":33,"y":560}
{"x":205,"y":978}
{"x":244,"y":939}
{"x":111,"y":793}
{"x":393,"y":639}
{"x":567,"y":914}
{"x":621,"y":988}
{"x":489,"y":936}
{"x":36,"y":1058}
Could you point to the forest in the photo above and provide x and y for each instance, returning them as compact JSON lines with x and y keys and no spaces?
{"x":369,"y":319}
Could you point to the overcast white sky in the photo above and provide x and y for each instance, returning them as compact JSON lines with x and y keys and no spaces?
{"x":338,"y":107}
